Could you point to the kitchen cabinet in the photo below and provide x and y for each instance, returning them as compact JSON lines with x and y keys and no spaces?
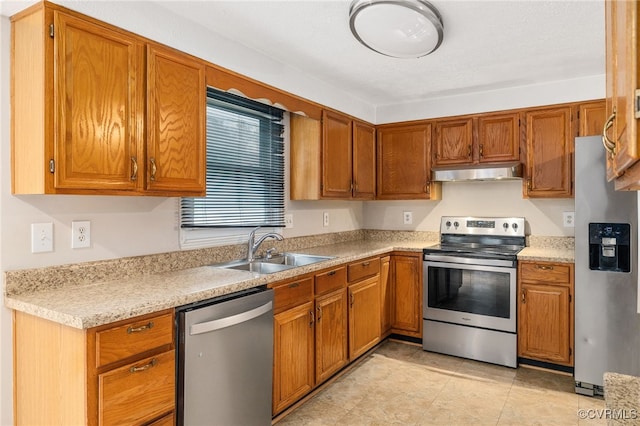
{"x":549,"y":145}
{"x":331,"y":323}
{"x":404,"y":163}
{"x":364,"y":306}
{"x":621,"y":41}
{"x":332,"y":159}
{"x":294,"y":340}
{"x":546,"y":312}
{"x":406,"y":291}
{"x":592,"y":116}
{"x":120,"y":373}
{"x":385,"y":296}
{"x":81,"y":88}
{"x":481,"y":138}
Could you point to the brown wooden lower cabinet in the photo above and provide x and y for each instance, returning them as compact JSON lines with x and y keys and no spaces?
{"x":331,"y":334}
{"x":406,"y":291}
{"x":546,"y":312}
{"x":64,"y":375}
{"x":364,"y":316}
{"x":385,"y":296}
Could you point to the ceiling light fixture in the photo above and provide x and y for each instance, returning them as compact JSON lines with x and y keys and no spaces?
{"x":396,"y":28}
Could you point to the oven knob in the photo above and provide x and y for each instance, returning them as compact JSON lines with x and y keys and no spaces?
{"x":505,"y":226}
{"x":515,"y":226}
{"x":456,"y":224}
{"x":448,"y":224}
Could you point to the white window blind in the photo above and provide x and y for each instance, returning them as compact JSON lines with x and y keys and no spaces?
{"x":245,"y":166}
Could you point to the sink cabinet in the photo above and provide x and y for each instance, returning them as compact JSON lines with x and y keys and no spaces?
{"x":120,"y":373}
{"x":95,"y":106}
{"x":546,"y":312}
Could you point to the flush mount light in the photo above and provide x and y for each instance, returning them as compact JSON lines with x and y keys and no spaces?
{"x":396,"y":28}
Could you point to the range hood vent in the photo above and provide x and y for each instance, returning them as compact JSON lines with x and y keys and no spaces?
{"x":482,"y":172}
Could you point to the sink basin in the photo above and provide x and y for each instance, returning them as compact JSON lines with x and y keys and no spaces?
{"x":276,"y":263}
{"x":295,"y":259}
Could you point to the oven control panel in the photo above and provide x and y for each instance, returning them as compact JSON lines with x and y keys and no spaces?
{"x":470,"y":225}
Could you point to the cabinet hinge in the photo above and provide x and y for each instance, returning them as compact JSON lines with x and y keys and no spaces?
{"x":52,"y":166}
{"x":637,"y":102}
{"x":51,"y":33}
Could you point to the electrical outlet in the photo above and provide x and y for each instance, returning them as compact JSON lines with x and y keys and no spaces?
{"x":568,"y":219}
{"x":288,"y":221}
{"x":407,"y":218}
{"x":80,"y":234}
{"x":325,"y":219}
{"x":41,"y":237}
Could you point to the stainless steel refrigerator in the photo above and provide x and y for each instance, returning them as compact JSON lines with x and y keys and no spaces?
{"x":607,"y":323}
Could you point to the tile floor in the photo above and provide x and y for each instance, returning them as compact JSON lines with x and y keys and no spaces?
{"x":402,"y":384}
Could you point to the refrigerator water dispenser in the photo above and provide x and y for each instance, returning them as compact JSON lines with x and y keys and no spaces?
{"x":610,"y":247}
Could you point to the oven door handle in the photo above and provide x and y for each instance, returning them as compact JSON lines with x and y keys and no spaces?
{"x":468,"y":260}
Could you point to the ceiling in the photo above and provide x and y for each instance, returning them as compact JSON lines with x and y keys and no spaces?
{"x":487,"y":45}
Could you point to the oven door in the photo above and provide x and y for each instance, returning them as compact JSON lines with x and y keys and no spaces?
{"x":470,"y":294}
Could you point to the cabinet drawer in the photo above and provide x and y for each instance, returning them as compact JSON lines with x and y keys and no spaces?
{"x":545,"y":272}
{"x":331,"y":280}
{"x":132,"y":338}
{"x":292,"y":294}
{"x":137,"y":392}
{"x":363,"y":269}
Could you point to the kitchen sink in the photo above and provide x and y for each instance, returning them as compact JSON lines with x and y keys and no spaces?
{"x":276,"y":263}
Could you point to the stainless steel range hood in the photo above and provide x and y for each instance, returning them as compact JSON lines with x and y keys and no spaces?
{"x":482,"y":172}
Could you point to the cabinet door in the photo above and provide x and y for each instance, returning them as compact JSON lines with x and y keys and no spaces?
{"x":364,"y":161}
{"x":453,"y":142}
{"x":176,"y":96}
{"x":385,"y":295}
{"x":549,"y":138}
{"x":337,"y":157}
{"x":364,"y":316}
{"x":331,"y":334}
{"x":404,"y":169}
{"x":499,"y":137}
{"x":293,"y":357}
{"x":592,"y":116}
{"x":622,"y":75}
{"x":544,"y":323}
{"x":406,"y":307}
{"x":98,"y":99}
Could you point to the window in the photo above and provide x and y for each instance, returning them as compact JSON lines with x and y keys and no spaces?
{"x":245,"y":166}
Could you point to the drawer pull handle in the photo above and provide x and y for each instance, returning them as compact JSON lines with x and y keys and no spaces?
{"x":365,"y":264}
{"x":545,"y":268}
{"x":144,"y":367}
{"x":294,"y":285}
{"x":131,"y":330}
{"x":331,"y":273}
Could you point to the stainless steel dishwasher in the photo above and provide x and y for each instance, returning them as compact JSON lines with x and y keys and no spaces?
{"x":225,"y":360}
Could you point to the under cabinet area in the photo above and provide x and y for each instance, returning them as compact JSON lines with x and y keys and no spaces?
{"x":546,"y":312}
{"x":120,"y":373}
{"x":94,"y":106}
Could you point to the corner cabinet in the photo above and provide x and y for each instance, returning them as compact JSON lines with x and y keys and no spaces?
{"x":120,"y":373}
{"x":621,"y":131}
{"x":549,"y":136}
{"x":404,"y":163}
{"x":80,"y":89}
{"x":332,"y":159}
{"x":546,"y":312}
{"x":406,"y":294}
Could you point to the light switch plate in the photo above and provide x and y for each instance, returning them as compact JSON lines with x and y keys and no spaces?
{"x":325,"y":219}
{"x":41,"y":237}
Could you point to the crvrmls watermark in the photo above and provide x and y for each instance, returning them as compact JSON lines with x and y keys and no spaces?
{"x":608,"y":413}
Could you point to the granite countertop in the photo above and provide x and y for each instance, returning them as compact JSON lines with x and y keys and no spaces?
{"x":105,"y":301}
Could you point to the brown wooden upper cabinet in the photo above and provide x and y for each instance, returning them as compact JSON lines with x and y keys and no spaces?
{"x":592,"y":116}
{"x":485,"y":138}
{"x":549,"y":146}
{"x":621,"y":20}
{"x":404,"y":163}
{"x":80,"y":91}
{"x":332,"y":159}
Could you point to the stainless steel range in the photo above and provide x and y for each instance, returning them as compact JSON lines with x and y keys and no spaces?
{"x":469,"y":305}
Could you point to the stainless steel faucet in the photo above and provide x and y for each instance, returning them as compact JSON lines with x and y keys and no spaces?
{"x":252,"y":245}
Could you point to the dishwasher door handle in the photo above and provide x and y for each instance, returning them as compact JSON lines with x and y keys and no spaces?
{"x":205,"y":327}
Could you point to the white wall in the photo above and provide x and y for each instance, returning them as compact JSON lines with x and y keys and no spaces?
{"x":127,"y":226}
{"x":543,"y":217}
